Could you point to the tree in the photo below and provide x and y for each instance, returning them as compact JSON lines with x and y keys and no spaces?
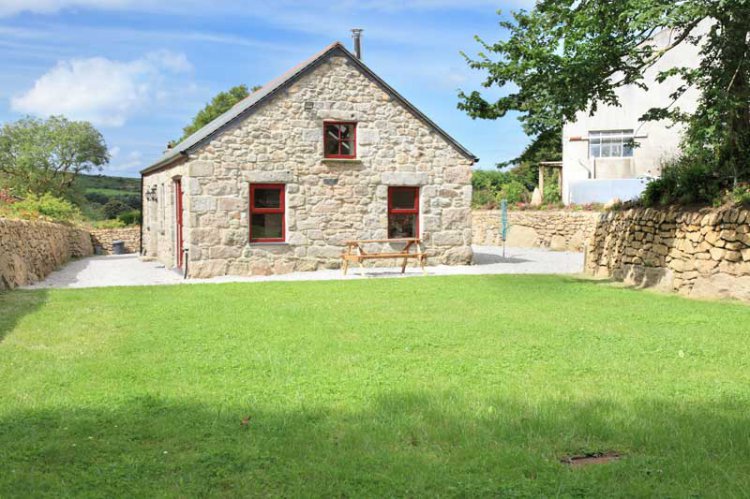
{"x":45,"y":156}
{"x":220,"y":104}
{"x":547,"y":146}
{"x":566,"y":56}
{"x":114,"y":208}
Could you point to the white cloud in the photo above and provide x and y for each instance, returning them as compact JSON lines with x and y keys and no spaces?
{"x":130,"y":164}
{"x":242,"y":7}
{"x":10,"y":7}
{"x":100,"y":90}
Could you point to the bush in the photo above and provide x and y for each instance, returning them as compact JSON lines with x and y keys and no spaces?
{"x":740,"y":195}
{"x":114,"y":208}
{"x":682,"y":182}
{"x":132,"y":217}
{"x":483,"y":198}
{"x":97,"y":197}
{"x":46,"y":207}
{"x":132,"y":200}
{"x":109,"y":224}
{"x":514,"y":192}
{"x":552,"y":194}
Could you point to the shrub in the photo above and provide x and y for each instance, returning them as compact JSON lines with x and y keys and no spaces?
{"x":45,"y":207}
{"x":483,"y":198}
{"x":740,"y":195}
{"x":132,"y":200}
{"x":132,"y":217}
{"x":552,"y":194}
{"x":682,"y":182}
{"x":114,"y":208}
{"x":109,"y":224}
{"x":514,"y":192}
{"x":97,"y":197}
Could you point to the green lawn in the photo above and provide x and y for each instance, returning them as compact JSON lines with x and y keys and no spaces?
{"x":437,"y":386}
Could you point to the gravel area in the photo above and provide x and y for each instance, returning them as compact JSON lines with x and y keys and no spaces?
{"x":129,"y":270}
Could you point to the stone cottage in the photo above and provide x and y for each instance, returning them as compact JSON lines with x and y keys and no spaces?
{"x":326,"y":153}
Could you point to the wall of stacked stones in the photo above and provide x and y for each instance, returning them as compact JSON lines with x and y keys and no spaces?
{"x":703,"y":253}
{"x":29,"y":251}
{"x":327,"y":201}
{"x":557,"y":230}
{"x":102,"y":239}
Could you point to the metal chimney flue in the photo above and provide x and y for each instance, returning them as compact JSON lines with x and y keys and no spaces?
{"x":357,"y":36}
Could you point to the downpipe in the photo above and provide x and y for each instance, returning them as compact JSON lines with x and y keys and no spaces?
{"x":185,"y":261}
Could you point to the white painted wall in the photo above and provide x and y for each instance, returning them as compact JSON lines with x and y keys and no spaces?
{"x":656,"y":140}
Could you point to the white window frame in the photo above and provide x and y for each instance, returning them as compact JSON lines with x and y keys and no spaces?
{"x":616,"y":143}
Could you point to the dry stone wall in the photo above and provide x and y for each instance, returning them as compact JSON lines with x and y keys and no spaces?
{"x":102,"y":239}
{"x":557,"y":230}
{"x":29,"y":251}
{"x":704,"y":253}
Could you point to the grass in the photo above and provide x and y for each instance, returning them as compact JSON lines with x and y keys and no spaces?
{"x":455,"y":386}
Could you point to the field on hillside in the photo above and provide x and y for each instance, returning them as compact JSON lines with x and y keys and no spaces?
{"x":95,"y":191}
{"x":436,"y":386}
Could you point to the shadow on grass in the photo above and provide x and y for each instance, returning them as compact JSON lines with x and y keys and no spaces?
{"x":14,"y":305}
{"x":403,"y":444}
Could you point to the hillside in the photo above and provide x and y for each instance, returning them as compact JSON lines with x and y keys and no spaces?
{"x":103,"y":197}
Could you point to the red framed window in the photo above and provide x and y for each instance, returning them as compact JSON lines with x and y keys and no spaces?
{"x":267,"y":218}
{"x":403,"y":212}
{"x":340,"y":139}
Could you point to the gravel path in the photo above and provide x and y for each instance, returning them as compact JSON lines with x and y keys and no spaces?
{"x":128,"y":270}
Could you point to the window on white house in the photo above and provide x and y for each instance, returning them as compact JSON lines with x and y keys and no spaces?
{"x":611,"y":144}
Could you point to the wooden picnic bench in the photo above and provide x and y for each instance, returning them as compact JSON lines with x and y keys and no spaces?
{"x":355,"y":252}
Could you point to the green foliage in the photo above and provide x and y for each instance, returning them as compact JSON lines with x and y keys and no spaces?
{"x":491,"y":187}
{"x":95,"y":191}
{"x":45,"y":207}
{"x":552,"y":194}
{"x":740,"y":195}
{"x":114,"y":223}
{"x":514,"y":192}
{"x":114,"y":208}
{"x":132,"y":217}
{"x":220,"y":104}
{"x":564,"y":57}
{"x":683,"y":181}
{"x":45,"y":156}
{"x":465,"y":386}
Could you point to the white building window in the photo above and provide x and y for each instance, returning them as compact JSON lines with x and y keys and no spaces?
{"x":611,"y":144}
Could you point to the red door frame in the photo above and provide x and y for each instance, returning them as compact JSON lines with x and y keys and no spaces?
{"x":178,"y":219}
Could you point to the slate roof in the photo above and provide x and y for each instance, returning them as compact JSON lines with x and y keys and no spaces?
{"x":252,"y":101}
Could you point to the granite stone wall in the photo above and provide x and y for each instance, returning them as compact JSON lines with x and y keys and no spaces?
{"x":328,"y":201}
{"x":29,"y":251}
{"x":699,"y":253}
{"x":102,"y":239}
{"x":557,"y":230}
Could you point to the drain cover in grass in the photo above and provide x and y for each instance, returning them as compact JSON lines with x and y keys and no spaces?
{"x":591,"y":458}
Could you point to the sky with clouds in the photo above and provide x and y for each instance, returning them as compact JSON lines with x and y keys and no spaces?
{"x":140,"y":69}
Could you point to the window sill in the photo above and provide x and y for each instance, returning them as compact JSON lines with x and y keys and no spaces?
{"x":267,"y":243}
{"x":342,"y":161}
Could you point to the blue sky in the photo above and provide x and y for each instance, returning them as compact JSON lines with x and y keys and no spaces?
{"x":140,"y":69}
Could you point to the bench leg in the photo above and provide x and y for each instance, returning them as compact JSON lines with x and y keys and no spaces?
{"x":421,"y":264}
{"x":361,"y":266}
{"x":403,"y":266}
{"x":345,"y":266}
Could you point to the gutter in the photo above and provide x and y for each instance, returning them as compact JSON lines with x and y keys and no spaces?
{"x":164,"y":163}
